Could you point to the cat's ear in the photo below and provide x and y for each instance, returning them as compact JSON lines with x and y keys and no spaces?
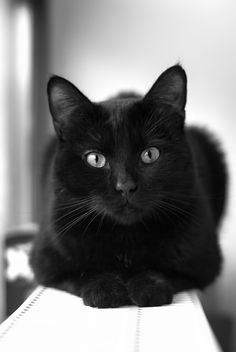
{"x":64,"y":100}
{"x":170,"y":88}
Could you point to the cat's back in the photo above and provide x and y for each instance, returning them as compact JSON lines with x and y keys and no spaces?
{"x":210,"y":167}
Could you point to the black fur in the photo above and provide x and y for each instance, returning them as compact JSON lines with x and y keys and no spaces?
{"x":130,"y":232}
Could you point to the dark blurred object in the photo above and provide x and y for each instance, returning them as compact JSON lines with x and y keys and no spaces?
{"x":222,"y":326}
{"x":19,"y":279}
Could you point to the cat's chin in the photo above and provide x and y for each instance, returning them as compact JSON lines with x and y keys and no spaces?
{"x":127,"y":215}
{"x":125,"y":220}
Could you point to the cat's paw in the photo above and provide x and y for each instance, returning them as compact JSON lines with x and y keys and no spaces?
{"x":105,"y":291}
{"x":149,"y":289}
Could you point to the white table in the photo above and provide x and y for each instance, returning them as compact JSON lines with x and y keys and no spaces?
{"x":52,"y":320}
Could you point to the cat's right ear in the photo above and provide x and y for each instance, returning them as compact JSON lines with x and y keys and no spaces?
{"x":170,"y":88}
{"x":64,"y":101}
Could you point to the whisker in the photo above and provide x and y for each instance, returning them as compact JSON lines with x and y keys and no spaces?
{"x":189,"y":196}
{"x":93,"y":218}
{"x":167,"y":212}
{"x":69,"y":213}
{"x":177,"y":210}
{"x":66,"y":205}
{"x":101,"y":221}
{"x":150,"y":125}
{"x":74,"y":222}
{"x":186,"y":216}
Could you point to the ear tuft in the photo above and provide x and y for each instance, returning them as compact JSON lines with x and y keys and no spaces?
{"x":170,"y":88}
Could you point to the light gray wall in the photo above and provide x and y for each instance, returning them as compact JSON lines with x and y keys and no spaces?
{"x":107,"y":45}
{"x":4,"y":187}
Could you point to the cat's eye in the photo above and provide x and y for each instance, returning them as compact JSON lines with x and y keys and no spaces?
{"x":96,"y":159}
{"x":150,"y":155}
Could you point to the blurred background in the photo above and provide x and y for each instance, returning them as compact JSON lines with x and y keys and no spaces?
{"x":103,"y":47}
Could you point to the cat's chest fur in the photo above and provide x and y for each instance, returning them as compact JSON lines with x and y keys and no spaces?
{"x":130,"y":254}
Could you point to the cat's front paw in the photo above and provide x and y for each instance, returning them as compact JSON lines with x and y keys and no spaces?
{"x":149,"y":289}
{"x":105,"y":291}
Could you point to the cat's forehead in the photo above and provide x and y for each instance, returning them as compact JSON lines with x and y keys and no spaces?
{"x":118,"y":112}
{"x":115,"y":123}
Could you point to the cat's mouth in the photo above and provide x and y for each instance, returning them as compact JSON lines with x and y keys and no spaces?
{"x":127,"y":208}
{"x":122,"y":211}
{"x":127,"y":213}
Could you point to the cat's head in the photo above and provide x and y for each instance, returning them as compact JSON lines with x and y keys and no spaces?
{"x":127,"y":157}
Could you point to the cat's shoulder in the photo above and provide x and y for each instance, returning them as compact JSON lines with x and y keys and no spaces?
{"x":202,"y":138}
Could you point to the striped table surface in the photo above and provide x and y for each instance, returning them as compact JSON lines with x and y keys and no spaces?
{"x":53,"y":320}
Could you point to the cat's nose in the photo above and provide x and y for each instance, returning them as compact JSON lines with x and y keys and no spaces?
{"x":127,"y":188}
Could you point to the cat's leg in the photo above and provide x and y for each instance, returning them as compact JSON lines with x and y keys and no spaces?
{"x":108,"y":290}
{"x":149,"y":289}
{"x":97,"y":290}
{"x":155,"y":289}
{"x":104,"y":290}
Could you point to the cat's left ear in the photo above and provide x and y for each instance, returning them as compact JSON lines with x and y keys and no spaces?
{"x":170,"y":88}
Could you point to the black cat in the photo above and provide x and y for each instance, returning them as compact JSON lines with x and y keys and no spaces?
{"x":135,"y":197}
